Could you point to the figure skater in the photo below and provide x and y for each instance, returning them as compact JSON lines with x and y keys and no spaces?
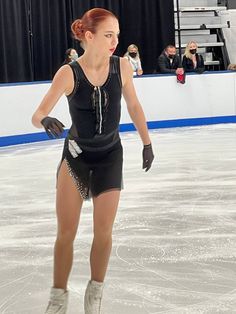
{"x":91,"y":164}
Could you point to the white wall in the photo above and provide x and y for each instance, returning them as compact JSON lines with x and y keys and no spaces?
{"x":17,"y":104}
{"x":230,"y":33}
{"x":206,"y":95}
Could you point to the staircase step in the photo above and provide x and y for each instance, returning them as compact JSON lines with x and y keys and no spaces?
{"x":200,"y":9}
{"x":193,"y":20}
{"x":198,"y":38}
{"x":196,"y":32}
{"x":213,"y":62}
{"x":195,"y":14}
{"x":214,"y":44}
{"x":197,"y":26}
{"x":202,"y":3}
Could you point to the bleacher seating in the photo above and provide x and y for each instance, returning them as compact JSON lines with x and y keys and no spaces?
{"x":200,"y":20}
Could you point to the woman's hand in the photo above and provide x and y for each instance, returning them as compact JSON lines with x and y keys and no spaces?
{"x":53,"y":127}
{"x":148,"y":157}
{"x":139,"y":72}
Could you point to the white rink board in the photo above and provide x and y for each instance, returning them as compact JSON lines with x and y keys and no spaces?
{"x":206,"y":95}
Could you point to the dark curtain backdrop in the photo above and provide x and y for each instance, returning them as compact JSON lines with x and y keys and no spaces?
{"x":15,"y":49}
{"x":50,"y":28}
{"x":150,"y":25}
{"x":35,"y":34}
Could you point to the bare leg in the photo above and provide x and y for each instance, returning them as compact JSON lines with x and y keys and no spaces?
{"x":105,"y":208}
{"x":68,"y":204}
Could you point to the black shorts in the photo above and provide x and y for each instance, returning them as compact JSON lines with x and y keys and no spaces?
{"x":97,"y":171}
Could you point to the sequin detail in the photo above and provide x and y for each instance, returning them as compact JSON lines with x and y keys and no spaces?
{"x":74,"y":148}
{"x":82,"y":188}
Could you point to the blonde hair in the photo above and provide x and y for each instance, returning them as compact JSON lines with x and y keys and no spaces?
{"x":232,"y":67}
{"x":187,"y":52}
{"x":132,"y":46}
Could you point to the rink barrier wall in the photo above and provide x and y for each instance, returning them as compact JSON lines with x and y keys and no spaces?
{"x":205,"y":99}
{"x":42,"y":136}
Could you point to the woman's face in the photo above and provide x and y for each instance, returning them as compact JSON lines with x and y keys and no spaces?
{"x":73,"y":52}
{"x":105,"y":40}
{"x":192,"y":46}
{"x":73,"y":55}
{"x":133,"y":50}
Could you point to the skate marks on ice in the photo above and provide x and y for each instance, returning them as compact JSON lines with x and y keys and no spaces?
{"x":169,"y":275}
{"x":27,"y":227}
{"x":174,"y":237}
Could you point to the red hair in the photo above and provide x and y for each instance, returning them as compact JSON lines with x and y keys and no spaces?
{"x":90,"y":22}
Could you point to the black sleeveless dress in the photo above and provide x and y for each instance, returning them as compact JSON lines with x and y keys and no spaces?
{"x":92,"y":150}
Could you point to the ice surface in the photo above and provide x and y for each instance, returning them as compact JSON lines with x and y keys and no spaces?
{"x":174,"y":243}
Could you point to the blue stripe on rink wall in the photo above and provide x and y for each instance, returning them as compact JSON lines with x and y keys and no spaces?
{"x":181,"y":123}
{"x":42,"y":136}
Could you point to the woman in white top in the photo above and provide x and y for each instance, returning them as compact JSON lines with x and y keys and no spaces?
{"x":132,"y":55}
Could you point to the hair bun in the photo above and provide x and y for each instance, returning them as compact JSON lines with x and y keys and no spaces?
{"x":77,"y":29}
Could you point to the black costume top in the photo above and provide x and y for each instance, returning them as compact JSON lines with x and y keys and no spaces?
{"x":95,"y":110}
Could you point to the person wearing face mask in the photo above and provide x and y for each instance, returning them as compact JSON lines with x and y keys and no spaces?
{"x":132,"y":55}
{"x":192,"y":61}
{"x":70,"y":55}
{"x":169,"y":62}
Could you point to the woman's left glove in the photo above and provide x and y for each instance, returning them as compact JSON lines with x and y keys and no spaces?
{"x":148,"y":157}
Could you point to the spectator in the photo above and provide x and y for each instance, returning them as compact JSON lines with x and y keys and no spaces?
{"x":70,"y":55}
{"x":192,"y":61}
{"x":231,"y":67}
{"x":132,"y":55}
{"x":169,"y":62}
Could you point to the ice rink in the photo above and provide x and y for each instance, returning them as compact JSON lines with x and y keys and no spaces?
{"x":174,"y":243}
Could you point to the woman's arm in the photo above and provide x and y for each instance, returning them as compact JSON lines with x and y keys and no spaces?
{"x":200,"y":64}
{"x":187,"y":64}
{"x":139,"y":70}
{"x":62,"y":83}
{"x":136,"y":112}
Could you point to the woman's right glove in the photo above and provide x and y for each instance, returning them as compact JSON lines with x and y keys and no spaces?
{"x":52,"y":126}
{"x":148,"y":157}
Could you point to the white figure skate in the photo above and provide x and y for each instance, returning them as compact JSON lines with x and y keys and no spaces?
{"x":58,"y":301}
{"x":93,"y":297}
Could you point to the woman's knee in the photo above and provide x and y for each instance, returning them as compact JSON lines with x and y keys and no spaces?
{"x":103,"y":232}
{"x":66,"y":236}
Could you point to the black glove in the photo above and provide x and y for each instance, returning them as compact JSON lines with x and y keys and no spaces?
{"x":148,"y":157}
{"x":52,"y":126}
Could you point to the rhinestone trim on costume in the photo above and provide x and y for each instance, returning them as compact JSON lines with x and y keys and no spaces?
{"x":82,"y":188}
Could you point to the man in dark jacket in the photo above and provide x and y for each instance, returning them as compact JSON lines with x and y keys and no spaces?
{"x":169,"y":62}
